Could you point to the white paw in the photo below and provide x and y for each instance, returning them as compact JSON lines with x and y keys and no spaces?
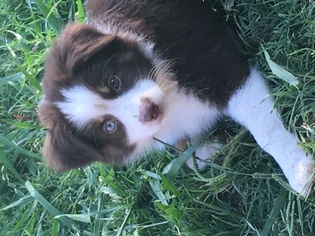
{"x":302,"y":177}
{"x":204,"y":152}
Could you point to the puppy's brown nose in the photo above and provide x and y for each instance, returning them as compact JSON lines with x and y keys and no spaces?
{"x":149,"y":111}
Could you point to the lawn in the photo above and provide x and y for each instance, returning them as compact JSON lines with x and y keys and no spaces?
{"x":241,"y":192}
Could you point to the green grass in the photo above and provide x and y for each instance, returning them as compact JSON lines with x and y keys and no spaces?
{"x":241,"y":193}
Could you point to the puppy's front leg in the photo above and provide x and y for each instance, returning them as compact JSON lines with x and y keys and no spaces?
{"x":252,"y":106}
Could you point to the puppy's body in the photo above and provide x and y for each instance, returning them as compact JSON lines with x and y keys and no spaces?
{"x":143,"y":70}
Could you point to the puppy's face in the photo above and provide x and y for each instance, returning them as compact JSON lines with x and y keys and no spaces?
{"x":104,"y":99}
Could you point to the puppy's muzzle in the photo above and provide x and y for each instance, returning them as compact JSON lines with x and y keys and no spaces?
{"x":149,"y":111}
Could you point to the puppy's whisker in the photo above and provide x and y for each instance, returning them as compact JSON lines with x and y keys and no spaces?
{"x":138,"y":69}
{"x":95,"y":138}
{"x":82,"y":127}
{"x":106,"y":63}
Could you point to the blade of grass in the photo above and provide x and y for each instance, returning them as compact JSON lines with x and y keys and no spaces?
{"x":168,"y":185}
{"x":55,"y":22}
{"x":156,"y":187}
{"x":86,"y":218}
{"x":29,"y":213}
{"x":273,"y":216}
{"x":19,"y":125}
{"x":81,"y":15}
{"x":55,"y":228}
{"x":12,"y":78}
{"x":173,"y":168}
{"x":172,"y":212}
{"x":31,"y":78}
{"x":120,"y":231}
{"x":9,"y":166}
{"x":9,"y":143}
{"x":280,"y":72}
{"x":22,"y":201}
{"x":50,"y":208}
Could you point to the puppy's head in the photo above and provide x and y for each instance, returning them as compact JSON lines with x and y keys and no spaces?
{"x":103,"y":98}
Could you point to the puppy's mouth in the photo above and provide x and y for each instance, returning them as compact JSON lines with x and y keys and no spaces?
{"x":150,"y":111}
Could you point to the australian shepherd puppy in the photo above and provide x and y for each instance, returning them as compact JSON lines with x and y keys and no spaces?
{"x":145,"y":70}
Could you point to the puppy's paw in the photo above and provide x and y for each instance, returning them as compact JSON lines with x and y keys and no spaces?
{"x":204,"y":152}
{"x":302,"y":176}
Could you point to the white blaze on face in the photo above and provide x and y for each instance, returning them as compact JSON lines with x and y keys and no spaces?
{"x":82,"y":105}
{"x":127,"y":109}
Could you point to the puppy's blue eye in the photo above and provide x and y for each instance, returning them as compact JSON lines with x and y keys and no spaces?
{"x":110,"y":126}
{"x":114,"y":83}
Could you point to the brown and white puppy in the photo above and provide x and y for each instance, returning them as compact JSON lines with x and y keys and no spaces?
{"x":142,"y":70}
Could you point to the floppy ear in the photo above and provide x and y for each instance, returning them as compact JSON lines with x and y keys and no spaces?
{"x":75,"y":45}
{"x":63,"y":151}
{"x":81,"y":41}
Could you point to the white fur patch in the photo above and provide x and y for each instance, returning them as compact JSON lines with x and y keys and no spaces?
{"x":81,"y":105}
{"x":186,"y":116}
{"x":252,"y":106}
